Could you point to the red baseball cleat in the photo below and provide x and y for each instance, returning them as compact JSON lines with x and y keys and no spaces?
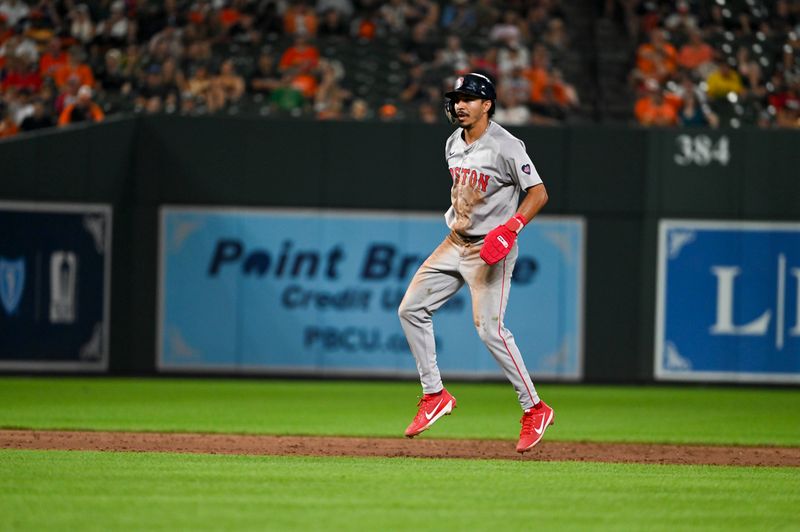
{"x":534,"y":422}
{"x":431,"y":407}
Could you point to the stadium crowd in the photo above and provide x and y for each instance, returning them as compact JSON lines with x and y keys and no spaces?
{"x":65,"y":61}
{"x":714,"y":63}
{"x":68,"y":61}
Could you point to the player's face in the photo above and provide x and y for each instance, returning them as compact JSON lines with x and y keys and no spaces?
{"x":470,"y":109}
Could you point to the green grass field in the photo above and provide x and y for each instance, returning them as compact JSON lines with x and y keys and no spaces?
{"x":744,"y":416}
{"x":93,"y":491}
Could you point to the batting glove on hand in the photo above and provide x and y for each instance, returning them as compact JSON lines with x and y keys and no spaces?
{"x":500,"y":240}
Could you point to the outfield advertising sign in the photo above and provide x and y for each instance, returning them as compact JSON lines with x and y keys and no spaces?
{"x":302,"y":291}
{"x":54,"y":286}
{"x":728,"y":302}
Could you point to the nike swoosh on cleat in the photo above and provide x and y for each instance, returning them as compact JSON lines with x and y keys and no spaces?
{"x":429,"y":415}
{"x":541,"y":427}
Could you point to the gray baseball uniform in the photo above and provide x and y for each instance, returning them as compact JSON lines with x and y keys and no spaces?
{"x":488,"y":176}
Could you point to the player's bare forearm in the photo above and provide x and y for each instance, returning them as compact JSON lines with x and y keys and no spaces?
{"x":535,"y":199}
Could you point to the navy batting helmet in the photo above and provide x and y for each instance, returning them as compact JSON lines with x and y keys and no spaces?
{"x":472,"y":84}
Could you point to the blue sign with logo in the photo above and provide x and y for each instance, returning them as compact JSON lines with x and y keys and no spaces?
{"x":728,"y":302}
{"x":54,"y":286}
{"x":317,"y":292}
{"x":12,"y":282}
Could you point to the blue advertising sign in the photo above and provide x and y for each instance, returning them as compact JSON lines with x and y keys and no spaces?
{"x":728,"y":302}
{"x":54,"y":286}
{"x":317,"y":292}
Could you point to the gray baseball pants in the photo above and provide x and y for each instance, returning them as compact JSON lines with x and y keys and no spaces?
{"x":454,"y":262}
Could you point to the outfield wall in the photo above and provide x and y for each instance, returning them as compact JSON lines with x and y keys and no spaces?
{"x":622,"y":181}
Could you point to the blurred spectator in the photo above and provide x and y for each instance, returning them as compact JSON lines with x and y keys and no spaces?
{"x":154,"y":93}
{"x":515,"y":84}
{"x":110,"y":75}
{"x":394,"y":14}
{"x":427,"y":113}
{"x":696,"y":55}
{"x":67,"y":94}
{"x":538,"y":74}
{"x":359,"y":109}
{"x":342,"y":7}
{"x":652,"y":109}
{"x":81,"y":26}
{"x":556,"y":38}
{"x":723,"y":81}
{"x":508,"y":30}
{"x":268,"y":19}
{"x":785,"y":103}
{"x":486,"y":62}
{"x":21,"y":73}
{"x":750,"y":72}
{"x":19,"y":104}
{"x":426,"y":11}
{"x":198,"y":87}
{"x":166,"y":43}
{"x":368,"y":26}
{"x":486,"y":14}
{"x":83,"y":110}
{"x":512,"y":56}
{"x":536,"y":20}
{"x":301,"y":56}
{"x":452,"y":56}
{"x":333,"y":24}
{"x":510,"y":110}
{"x":287,"y":97}
{"x":300,"y":19}
{"x":459,"y":17}
{"x":419,"y":46}
{"x":695,"y":113}
{"x":74,"y":66}
{"x":53,"y":58}
{"x":244,"y":30}
{"x":264,"y":78}
{"x":655,"y":59}
{"x":682,"y":21}
{"x":14,"y":11}
{"x":564,"y":93}
{"x":387,"y":112}
{"x":417,"y":85}
{"x":330,"y":97}
{"x":116,"y":30}
{"x":8,"y":128}
{"x":6,"y":32}
{"x":229,"y":82}
{"x":38,"y":119}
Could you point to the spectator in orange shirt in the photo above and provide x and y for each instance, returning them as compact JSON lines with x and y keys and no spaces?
{"x":652,"y":109}
{"x":74,"y":66}
{"x":83,"y":110}
{"x":301,"y":56}
{"x":538,"y":74}
{"x":299,"y":19}
{"x":696,"y":54}
{"x":655,"y":59}
{"x":52,"y":59}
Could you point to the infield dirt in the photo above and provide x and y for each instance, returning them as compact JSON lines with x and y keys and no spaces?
{"x":419,"y":447}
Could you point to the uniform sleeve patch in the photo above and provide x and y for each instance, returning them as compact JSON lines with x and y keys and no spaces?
{"x":526,"y":168}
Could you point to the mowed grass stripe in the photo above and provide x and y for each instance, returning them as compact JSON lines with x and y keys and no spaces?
{"x":746,"y":416}
{"x":60,"y":490}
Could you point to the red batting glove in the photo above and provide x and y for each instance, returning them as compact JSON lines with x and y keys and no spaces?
{"x":500,"y":240}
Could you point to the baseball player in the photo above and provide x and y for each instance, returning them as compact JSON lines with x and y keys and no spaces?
{"x":489,"y":168}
